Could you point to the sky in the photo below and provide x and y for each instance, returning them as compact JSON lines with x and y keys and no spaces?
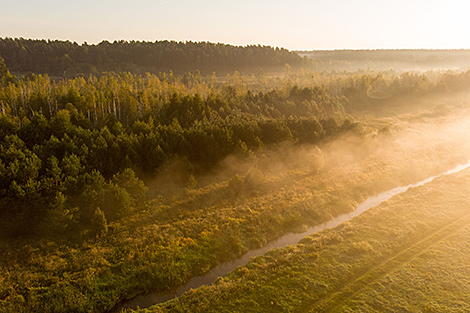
{"x":291,"y":24}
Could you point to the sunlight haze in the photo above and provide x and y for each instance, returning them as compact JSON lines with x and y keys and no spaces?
{"x":295,"y":25}
{"x":234,"y":156}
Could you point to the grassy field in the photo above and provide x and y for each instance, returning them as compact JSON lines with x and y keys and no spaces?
{"x":410,"y":254}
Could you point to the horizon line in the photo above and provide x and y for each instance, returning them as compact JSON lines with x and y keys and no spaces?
{"x":95,"y":43}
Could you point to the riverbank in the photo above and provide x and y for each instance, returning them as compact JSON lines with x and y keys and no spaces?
{"x":222,"y":270}
{"x":383,"y":260}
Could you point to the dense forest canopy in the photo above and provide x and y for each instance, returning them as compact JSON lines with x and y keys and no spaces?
{"x":65,"y":145}
{"x":65,"y":58}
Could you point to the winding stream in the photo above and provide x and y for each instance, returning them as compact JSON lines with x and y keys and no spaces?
{"x":147,"y":300}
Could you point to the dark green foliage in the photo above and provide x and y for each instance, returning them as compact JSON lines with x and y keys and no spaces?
{"x":99,"y":223}
{"x":128,"y":181}
{"x":8,"y":125}
{"x":5,"y":76}
{"x":60,"y":123}
{"x":67,"y":59}
{"x":60,"y":218}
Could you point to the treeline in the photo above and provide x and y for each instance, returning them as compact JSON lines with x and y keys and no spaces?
{"x":65,"y":58}
{"x":383,"y":59}
{"x":369,"y":90}
{"x":414,"y":56}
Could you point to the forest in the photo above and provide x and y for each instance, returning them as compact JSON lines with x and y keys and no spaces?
{"x":69,"y":59}
{"x":133,"y":174}
{"x":387,"y":59}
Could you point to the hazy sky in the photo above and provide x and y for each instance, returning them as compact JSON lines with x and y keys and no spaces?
{"x":293,"y":24}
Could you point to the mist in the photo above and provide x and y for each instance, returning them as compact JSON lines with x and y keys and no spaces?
{"x":426,"y":137}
